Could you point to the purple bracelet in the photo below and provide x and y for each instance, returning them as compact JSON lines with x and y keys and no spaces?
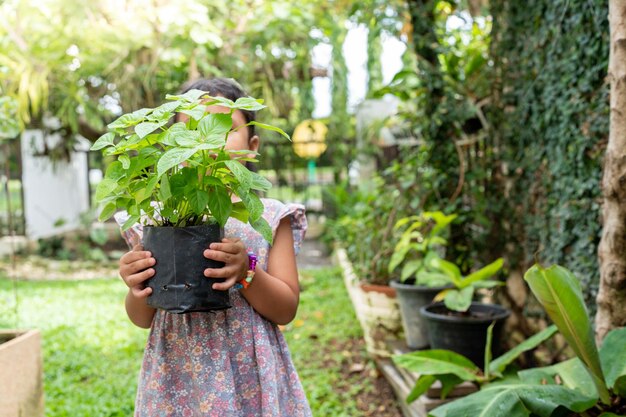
{"x":245,"y":282}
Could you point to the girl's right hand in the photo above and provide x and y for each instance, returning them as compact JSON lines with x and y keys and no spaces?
{"x":135,"y":269}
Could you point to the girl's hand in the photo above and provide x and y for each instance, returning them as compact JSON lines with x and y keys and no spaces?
{"x":135,"y":269}
{"x":233,"y":253}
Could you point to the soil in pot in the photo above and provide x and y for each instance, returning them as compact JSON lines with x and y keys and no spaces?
{"x":179,"y":284}
{"x":411,"y":298}
{"x":466,"y":333}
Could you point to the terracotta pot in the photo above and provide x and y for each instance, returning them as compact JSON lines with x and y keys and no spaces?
{"x":376,"y":308}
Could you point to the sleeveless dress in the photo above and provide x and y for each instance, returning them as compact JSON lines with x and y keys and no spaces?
{"x":226,"y":363}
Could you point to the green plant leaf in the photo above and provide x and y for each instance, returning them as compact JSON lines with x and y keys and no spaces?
{"x":269,"y":127}
{"x":421,"y":386}
{"x":145,"y":192}
{"x":215,"y":125}
{"x":186,"y":138}
{"x":198,"y":199}
{"x":515,"y":400}
{"x":241,"y":173}
{"x":409,"y":268}
{"x":115,"y":171}
{"x":189,"y":96}
{"x":144,"y":129}
{"x":164,"y":111}
{"x":196,"y":112}
{"x":613,"y":358}
{"x":398,"y":256}
{"x":220,"y":204}
{"x":438,"y":362}
{"x":164,"y":190}
{"x":124,"y":160}
{"x":253,"y":203}
{"x":499,"y":364}
{"x":248,"y":103}
{"x":459,"y":300}
{"x":259,"y":182}
{"x":448,"y":268}
{"x":107,"y":212}
{"x":172,"y":158}
{"x":130,"y":119}
{"x":262,"y":226}
{"x":133,"y":219}
{"x":432,"y":279}
{"x":558,"y":290}
{"x":571,"y":374}
{"x":240,"y":212}
{"x":483,"y":273}
{"x":105,"y":188}
{"x":103,"y":141}
{"x":448,"y":382}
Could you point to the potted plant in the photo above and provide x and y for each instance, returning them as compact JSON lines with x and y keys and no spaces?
{"x":593,"y":383}
{"x":422,"y":239}
{"x":178,"y":181}
{"x":457,"y":323}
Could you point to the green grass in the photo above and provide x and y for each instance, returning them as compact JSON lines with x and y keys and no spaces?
{"x":92,"y":353}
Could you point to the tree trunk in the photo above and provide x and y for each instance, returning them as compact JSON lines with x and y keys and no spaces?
{"x":612,"y":249}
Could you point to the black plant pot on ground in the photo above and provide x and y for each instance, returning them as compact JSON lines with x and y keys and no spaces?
{"x":179,"y":284}
{"x":465,"y":333}
{"x":411,"y":299}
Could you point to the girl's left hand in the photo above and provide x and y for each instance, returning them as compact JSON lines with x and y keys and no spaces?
{"x":233,"y":253}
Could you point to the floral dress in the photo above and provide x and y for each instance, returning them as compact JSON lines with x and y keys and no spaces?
{"x":226,"y":363}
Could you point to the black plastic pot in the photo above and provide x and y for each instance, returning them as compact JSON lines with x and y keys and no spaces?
{"x":179,"y":284}
{"x":467,"y":334}
{"x":411,"y":299}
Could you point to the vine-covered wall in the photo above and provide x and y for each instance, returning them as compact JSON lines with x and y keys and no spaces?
{"x":553,"y":117}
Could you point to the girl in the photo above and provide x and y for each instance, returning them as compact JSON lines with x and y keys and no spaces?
{"x":227,"y":363}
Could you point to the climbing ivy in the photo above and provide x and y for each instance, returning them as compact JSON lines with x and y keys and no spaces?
{"x":553,"y":57}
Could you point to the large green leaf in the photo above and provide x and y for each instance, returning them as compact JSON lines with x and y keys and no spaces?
{"x":172,"y":158}
{"x":198,"y":200}
{"x":558,"y":290}
{"x":499,"y":364}
{"x":215,"y":125}
{"x":570,"y":373}
{"x":421,"y":386}
{"x":248,"y":103}
{"x":105,"y":188}
{"x":144,"y":129}
{"x":241,"y":173}
{"x":515,"y":400}
{"x":108,"y":210}
{"x":262,"y":226}
{"x":164,"y":111}
{"x":613,"y":357}
{"x":220,"y":204}
{"x":438,"y":362}
{"x":260,"y":183}
{"x":103,"y":141}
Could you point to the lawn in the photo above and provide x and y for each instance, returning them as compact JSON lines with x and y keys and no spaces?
{"x":92,"y":353}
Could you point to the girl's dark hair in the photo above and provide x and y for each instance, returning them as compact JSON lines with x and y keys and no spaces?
{"x":225,"y":87}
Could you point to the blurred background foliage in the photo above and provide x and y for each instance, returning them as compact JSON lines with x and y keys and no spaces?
{"x":505,"y":105}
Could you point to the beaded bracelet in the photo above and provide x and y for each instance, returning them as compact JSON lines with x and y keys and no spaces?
{"x":245,"y":282}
